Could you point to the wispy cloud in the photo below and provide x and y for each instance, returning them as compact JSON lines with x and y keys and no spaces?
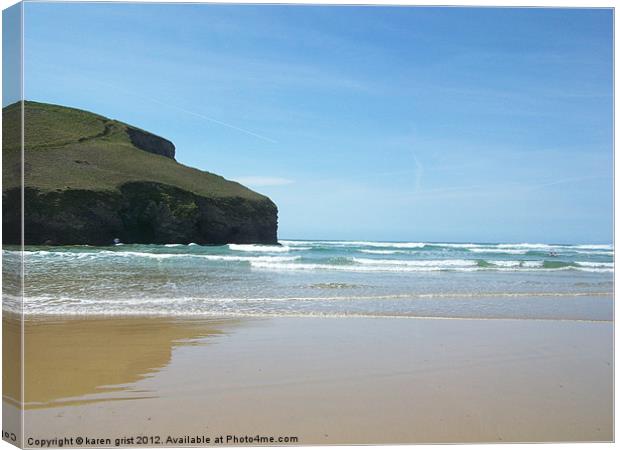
{"x":495,"y":189}
{"x":258,"y":181}
{"x":565,"y":181}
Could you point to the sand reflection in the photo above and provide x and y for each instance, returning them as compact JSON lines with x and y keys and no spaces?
{"x":77,"y":361}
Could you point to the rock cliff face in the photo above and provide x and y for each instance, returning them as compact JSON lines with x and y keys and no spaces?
{"x":150,"y":143}
{"x":141,"y":213}
{"x":89,"y":180}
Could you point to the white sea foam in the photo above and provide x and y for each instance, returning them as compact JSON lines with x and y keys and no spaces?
{"x":515,"y":263}
{"x":388,"y":244}
{"x":594,"y":252}
{"x":297,"y":243}
{"x":342,"y":268}
{"x":499,"y":250}
{"x":533,"y":264}
{"x":136,"y":254}
{"x":357,"y":244}
{"x":506,"y":263}
{"x":382,"y":252}
{"x":421,"y":266}
{"x":160,"y":256}
{"x":438,"y":263}
{"x":409,"y":266}
{"x":258,"y":248}
{"x":452,"y":245}
{"x":599,"y":247}
{"x":595,"y":264}
{"x":527,"y":246}
{"x":595,"y":246}
{"x":37,"y":253}
{"x":595,"y":269}
{"x":249,"y":258}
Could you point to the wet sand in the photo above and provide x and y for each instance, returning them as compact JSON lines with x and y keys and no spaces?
{"x":322,"y":380}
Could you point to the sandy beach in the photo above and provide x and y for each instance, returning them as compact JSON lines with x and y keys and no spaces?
{"x":318,"y":380}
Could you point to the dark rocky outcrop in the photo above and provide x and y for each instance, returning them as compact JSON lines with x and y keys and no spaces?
{"x":142,"y":213}
{"x":150,"y":143}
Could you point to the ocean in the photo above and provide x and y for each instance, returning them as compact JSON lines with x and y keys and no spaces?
{"x":320,"y":278}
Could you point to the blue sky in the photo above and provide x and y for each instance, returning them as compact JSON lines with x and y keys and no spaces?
{"x":385,"y":123}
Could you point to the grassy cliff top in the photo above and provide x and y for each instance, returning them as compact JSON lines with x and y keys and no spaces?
{"x":68,"y":148}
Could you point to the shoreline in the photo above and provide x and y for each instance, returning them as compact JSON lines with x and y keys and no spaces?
{"x":333,"y":381}
{"x":201,"y":317}
{"x":548,"y":307}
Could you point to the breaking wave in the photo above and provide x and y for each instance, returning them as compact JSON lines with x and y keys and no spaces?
{"x":258,"y":248}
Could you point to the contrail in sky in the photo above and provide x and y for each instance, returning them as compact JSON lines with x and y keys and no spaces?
{"x":219,"y":122}
{"x":202,"y":116}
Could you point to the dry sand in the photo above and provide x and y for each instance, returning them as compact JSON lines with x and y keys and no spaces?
{"x":322,"y":380}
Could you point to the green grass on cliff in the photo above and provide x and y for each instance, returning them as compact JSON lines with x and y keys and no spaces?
{"x":67,"y":148}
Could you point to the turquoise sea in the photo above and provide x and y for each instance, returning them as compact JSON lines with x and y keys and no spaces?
{"x":320,"y":278}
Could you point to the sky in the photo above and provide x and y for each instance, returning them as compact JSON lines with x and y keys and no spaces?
{"x":374,"y":123}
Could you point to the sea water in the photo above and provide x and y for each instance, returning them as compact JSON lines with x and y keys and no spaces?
{"x":320,"y":278}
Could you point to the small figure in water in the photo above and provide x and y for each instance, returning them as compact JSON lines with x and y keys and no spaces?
{"x":553,"y":253}
{"x":117,"y":241}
